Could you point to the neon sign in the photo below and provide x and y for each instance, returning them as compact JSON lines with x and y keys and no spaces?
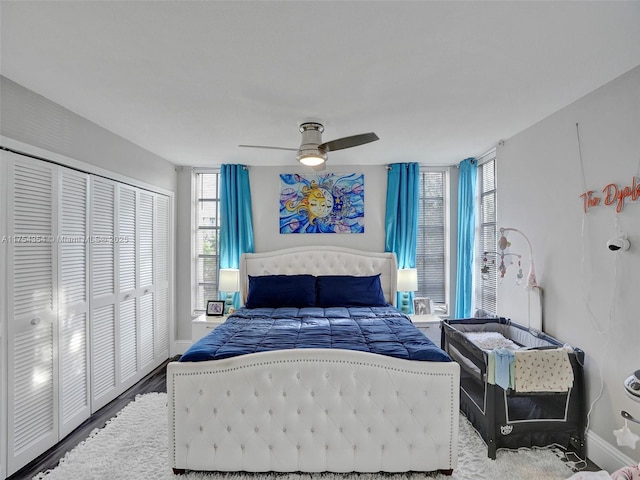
{"x":613,"y":195}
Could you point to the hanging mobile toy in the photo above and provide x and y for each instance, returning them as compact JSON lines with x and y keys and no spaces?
{"x":519,"y":276}
{"x":485,"y":268}
{"x":503,"y":244}
{"x":502,"y":268}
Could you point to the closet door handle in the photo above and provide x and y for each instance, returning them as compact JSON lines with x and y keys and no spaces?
{"x":127,"y":296}
{"x":146,"y":291}
{"x":35,"y":321}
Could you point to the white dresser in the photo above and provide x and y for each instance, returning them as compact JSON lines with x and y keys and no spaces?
{"x":203,"y":325}
{"x":429,"y":325}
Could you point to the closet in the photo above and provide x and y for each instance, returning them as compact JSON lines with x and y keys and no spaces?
{"x":86,"y":298}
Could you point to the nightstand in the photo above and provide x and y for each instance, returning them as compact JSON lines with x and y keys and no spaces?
{"x":203,"y":325}
{"x":429,"y":325}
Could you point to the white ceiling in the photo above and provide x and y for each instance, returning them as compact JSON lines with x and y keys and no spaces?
{"x":437,"y":81}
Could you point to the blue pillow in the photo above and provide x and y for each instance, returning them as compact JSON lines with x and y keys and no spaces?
{"x":275,"y":291}
{"x":349,"y":291}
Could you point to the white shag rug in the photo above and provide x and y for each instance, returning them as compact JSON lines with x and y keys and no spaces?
{"x":133,"y":446}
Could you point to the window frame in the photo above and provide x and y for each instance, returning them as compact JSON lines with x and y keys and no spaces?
{"x":485,"y":291}
{"x":441,"y":307}
{"x":196,"y":308}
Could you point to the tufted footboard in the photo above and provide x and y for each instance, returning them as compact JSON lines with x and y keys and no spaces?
{"x":313,"y":410}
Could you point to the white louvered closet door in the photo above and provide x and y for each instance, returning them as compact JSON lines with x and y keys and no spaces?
{"x":86,"y":296}
{"x":146,"y":280}
{"x":104,"y":326}
{"x":127,"y":296}
{"x":161,"y":256}
{"x":32,"y":420}
{"x":73,"y":298}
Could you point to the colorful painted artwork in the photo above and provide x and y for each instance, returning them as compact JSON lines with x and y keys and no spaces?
{"x":322,"y":203}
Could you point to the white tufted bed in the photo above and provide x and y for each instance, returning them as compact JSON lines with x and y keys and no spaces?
{"x":314,"y":410}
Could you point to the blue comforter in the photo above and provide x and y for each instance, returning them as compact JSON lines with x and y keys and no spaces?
{"x":381,"y":330}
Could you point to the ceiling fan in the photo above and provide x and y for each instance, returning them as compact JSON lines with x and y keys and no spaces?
{"x":313,"y":152}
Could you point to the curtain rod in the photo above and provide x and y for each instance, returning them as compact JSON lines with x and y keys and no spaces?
{"x":490,"y":151}
{"x":388,"y":167}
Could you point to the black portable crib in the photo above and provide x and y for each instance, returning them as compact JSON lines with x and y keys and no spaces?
{"x":506,"y":418}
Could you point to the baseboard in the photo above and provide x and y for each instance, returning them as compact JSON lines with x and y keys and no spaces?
{"x":605,"y":455}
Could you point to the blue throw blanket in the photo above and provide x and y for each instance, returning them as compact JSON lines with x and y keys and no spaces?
{"x":381,"y":330}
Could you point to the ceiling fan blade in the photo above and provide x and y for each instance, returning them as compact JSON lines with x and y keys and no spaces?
{"x":348,"y":142}
{"x":270,"y":148}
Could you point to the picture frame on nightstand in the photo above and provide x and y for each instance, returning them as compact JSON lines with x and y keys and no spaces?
{"x":215,"y":308}
{"x":423,"y":306}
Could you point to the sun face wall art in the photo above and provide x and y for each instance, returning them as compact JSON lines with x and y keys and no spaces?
{"x":322,"y":203}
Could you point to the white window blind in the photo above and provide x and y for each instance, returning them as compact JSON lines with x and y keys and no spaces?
{"x":486,"y":281}
{"x":207,"y":218}
{"x":431,"y":256}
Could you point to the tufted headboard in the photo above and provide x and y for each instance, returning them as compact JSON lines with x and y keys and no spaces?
{"x":321,"y":260}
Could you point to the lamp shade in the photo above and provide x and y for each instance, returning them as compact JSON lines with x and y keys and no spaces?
{"x":407,"y":280}
{"x":229,"y":280}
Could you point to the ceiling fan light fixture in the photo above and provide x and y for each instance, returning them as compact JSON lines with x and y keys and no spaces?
{"x":312,"y":159}
{"x":313,"y":151}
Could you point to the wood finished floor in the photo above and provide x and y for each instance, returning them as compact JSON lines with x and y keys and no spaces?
{"x":154,"y":382}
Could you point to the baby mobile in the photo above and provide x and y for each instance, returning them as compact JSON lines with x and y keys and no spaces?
{"x":503,"y":245}
{"x":506,"y":257}
{"x":502,"y":268}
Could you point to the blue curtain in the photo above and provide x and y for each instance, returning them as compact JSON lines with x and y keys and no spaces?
{"x":236,"y":221}
{"x":401,"y":218}
{"x":466,"y":236}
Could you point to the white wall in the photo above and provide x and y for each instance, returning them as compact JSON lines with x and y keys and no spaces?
{"x":184,"y":242}
{"x":35,"y":120}
{"x":591,"y":295}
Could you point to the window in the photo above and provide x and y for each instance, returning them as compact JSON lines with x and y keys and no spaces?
{"x":432,"y":261}
{"x":485,"y":277}
{"x":207,"y":252}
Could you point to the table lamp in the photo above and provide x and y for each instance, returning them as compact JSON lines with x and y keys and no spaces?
{"x":229,"y":282}
{"x":407,"y":282}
